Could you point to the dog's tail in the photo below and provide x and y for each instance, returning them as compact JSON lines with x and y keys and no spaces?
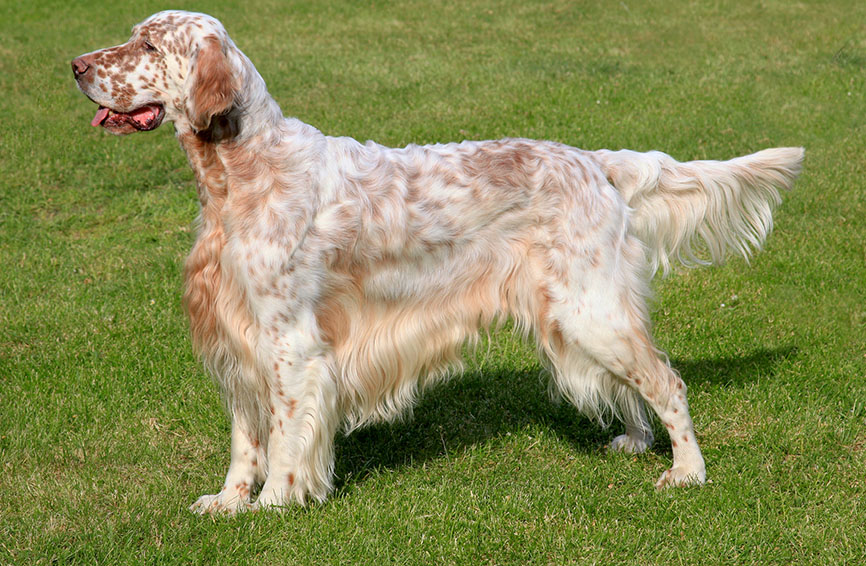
{"x":726,"y":204}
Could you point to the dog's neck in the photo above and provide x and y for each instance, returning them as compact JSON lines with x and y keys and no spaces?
{"x":230,"y":155}
{"x":255,"y":120}
{"x":209,"y":168}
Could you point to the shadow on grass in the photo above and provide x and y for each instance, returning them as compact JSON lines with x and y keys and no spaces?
{"x":465,"y":411}
{"x":733,"y":371}
{"x":478,"y":406}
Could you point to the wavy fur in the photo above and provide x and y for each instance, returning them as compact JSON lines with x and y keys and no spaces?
{"x":331,"y":279}
{"x":726,"y":205}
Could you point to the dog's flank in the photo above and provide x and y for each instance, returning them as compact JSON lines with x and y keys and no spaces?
{"x":331,"y":279}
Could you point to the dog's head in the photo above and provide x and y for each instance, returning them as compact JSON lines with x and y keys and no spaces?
{"x":176,"y":66}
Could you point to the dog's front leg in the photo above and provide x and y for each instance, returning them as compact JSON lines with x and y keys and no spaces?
{"x":303,"y":420}
{"x":246,"y":467}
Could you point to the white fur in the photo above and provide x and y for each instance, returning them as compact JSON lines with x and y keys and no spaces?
{"x":332,"y":279}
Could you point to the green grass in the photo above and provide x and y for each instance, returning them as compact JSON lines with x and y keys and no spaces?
{"x":109,"y":428}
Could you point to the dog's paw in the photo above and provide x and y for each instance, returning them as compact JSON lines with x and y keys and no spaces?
{"x":630,"y":444}
{"x":681,"y":476}
{"x":270,"y":500}
{"x":222,"y":503}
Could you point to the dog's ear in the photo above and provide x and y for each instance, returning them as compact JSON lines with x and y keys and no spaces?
{"x":211,"y":90}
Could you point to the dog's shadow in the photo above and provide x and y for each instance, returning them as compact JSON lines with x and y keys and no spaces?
{"x":481,"y":405}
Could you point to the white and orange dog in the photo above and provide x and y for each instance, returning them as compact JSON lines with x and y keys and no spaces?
{"x":332,"y":279}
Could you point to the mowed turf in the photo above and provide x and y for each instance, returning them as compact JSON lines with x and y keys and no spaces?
{"x":109,"y":428}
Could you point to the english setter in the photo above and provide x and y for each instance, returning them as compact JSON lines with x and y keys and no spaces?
{"x":330,"y":279}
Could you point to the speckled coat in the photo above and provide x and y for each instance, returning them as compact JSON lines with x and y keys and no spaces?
{"x":331,"y":279}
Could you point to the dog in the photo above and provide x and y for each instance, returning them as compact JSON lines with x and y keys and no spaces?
{"x":330,"y":280}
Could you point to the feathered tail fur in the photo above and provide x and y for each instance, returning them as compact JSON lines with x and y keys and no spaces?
{"x":726,"y":204}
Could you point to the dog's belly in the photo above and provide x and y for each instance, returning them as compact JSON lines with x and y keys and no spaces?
{"x":404,"y":323}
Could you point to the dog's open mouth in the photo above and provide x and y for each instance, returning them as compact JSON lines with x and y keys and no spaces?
{"x":143,"y":119}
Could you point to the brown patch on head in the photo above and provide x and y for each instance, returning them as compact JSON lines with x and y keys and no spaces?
{"x":213,"y":84}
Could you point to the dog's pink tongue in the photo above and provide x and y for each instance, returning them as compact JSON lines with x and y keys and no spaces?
{"x":144,"y":115}
{"x":100,"y":117}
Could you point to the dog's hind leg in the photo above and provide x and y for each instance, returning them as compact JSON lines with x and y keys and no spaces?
{"x":602,"y":352}
{"x":638,"y":432}
{"x":595,"y":391}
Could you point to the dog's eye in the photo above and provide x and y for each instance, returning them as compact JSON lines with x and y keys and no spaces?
{"x":149,"y":46}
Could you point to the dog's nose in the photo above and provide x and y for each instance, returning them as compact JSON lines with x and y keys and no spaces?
{"x":79,"y":66}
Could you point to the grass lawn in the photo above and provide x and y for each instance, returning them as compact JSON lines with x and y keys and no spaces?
{"x":109,"y":427}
